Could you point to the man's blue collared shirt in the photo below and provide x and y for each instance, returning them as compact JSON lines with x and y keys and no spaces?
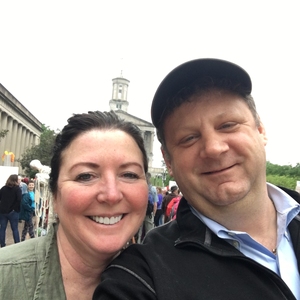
{"x":284,"y":263}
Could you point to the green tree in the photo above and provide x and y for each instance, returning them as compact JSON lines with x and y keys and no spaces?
{"x":286,"y":175}
{"x":42,"y":151}
{"x":3,"y":133}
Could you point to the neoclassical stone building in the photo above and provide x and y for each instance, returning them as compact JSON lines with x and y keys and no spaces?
{"x":24,"y":129}
{"x":119,"y":104}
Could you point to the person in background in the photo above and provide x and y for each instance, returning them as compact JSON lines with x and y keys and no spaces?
{"x":22,"y":185}
{"x":148,"y":222}
{"x":158,"y":215}
{"x":99,"y":187}
{"x":10,"y":201}
{"x":235,"y":235}
{"x":26,"y":212}
{"x":31,"y":185}
{"x":174,"y":191}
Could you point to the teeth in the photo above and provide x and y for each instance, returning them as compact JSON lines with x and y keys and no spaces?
{"x":106,"y":220}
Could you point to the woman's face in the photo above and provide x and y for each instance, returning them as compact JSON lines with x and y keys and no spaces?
{"x":102,"y":192}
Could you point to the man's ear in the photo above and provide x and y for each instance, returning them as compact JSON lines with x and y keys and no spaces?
{"x":262,"y":131}
{"x":167,"y":160}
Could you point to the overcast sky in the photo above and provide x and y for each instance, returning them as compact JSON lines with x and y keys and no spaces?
{"x":59,"y":57}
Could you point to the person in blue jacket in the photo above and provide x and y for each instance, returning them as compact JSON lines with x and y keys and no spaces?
{"x":26,"y":214}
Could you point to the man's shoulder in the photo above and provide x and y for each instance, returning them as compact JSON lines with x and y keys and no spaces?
{"x":294,"y":194}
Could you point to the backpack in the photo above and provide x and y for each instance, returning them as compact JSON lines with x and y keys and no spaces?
{"x":172,"y":208}
{"x":150,"y":204}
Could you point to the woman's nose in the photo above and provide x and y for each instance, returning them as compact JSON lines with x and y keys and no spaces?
{"x":109,"y":191}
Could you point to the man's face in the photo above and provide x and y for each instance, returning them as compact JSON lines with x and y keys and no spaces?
{"x":216,"y":151}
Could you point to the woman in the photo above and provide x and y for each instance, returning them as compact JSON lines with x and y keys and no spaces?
{"x":100,"y":195}
{"x":10,"y":201}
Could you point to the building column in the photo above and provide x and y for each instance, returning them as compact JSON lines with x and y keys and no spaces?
{"x":3,"y":123}
{"x":22,"y":139}
{"x":14,"y":137}
{"x":19,"y":135}
{"x":9,"y":134}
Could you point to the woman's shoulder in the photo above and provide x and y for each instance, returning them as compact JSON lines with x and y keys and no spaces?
{"x":27,"y":251}
{"x":30,"y":265}
{"x":20,"y":253}
{"x":16,"y":189}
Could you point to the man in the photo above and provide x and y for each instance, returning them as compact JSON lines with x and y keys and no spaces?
{"x":235,"y":236}
{"x":148,"y":222}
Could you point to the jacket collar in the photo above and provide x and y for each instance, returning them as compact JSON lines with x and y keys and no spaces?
{"x":194,"y":232}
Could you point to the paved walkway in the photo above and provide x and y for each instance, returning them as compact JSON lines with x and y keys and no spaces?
{"x":9,"y":237}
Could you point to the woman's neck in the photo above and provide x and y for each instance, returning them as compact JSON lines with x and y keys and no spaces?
{"x":80,"y":275}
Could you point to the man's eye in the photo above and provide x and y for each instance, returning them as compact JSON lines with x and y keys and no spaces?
{"x":188,"y":139}
{"x":84,"y":177}
{"x":228,"y":125}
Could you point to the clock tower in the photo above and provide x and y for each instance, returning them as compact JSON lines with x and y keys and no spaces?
{"x":119,"y":94}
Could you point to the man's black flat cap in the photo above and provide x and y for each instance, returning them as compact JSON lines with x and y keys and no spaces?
{"x":190,"y":71}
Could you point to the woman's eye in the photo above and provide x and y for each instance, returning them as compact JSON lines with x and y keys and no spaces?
{"x":84,"y":177}
{"x":130,"y":175}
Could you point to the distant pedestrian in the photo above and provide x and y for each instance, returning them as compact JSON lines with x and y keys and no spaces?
{"x":166,"y":200}
{"x":10,"y":200}
{"x":158,"y":218}
{"x":22,"y":185}
{"x":31,"y":186}
{"x":26,"y":212}
{"x":148,"y":222}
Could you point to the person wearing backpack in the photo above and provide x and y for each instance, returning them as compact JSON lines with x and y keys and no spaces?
{"x":172,"y":208}
{"x":148,"y":222}
{"x":166,"y":200}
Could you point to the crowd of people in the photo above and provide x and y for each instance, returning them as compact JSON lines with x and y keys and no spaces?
{"x":222,"y":232}
{"x":17,"y":205}
{"x":161,"y":211}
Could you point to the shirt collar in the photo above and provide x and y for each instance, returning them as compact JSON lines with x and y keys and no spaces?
{"x":287,"y":209}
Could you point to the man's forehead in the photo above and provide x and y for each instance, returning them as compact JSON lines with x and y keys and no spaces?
{"x":187,"y":73}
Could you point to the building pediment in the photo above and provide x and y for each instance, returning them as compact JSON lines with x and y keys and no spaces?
{"x":133,"y":119}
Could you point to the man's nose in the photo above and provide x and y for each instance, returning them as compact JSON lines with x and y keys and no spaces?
{"x":213,"y":145}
